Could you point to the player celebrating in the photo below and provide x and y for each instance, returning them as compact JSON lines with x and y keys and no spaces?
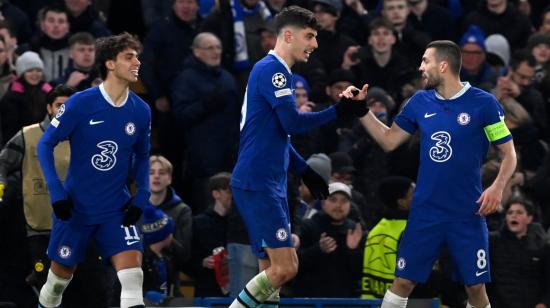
{"x":108,"y":128}
{"x":259,"y":182}
{"x":456,"y":122}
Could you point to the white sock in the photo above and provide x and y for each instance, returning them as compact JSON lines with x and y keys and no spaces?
{"x":272,"y":301}
{"x":257,"y":290}
{"x":392,"y":300}
{"x":468,"y":305}
{"x":131,"y":282}
{"x":52,"y":290}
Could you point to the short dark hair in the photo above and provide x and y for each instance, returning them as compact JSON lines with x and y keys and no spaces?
{"x":448,"y":51}
{"x":380,"y":22}
{"x":527,"y":204}
{"x":107,"y":48}
{"x":84,"y":38}
{"x":59,"y":90}
{"x":4,"y":24}
{"x":520,"y":56}
{"x":219,"y":181}
{"x":296,"y":16}
{"x":52,"y":7}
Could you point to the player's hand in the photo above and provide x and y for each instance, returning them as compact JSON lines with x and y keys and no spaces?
{"x":354,"y":236}
{"x":208,"y":262}
{"x":327,"y":243}
{"x":62,"y":209}
{"x":132,"y":215}
{"x":315,"y":183}
{"x":354,"y":93}
{"x":349,"y":107}
{"x":490,"y":200}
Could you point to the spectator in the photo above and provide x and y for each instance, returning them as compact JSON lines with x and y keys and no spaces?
{"x":428,"y":17}
{"x":204,"y":101}
{"x":520,"y":260}
{"x":518,"y":84}
{"x":17,"y":18}
{"x":159,"y":278}
{"x":409,"y":41}
{"x":236,"y":23}
{"x":475,"y":68}
{"x":10,"y":41}
{"x":330,"y":252}
{"x":498,"y":53}
{"x":6,"y":70}
{"x":84,"y":17}
{"x":500,"y":16}
{"x":545,"y":21}
{"x":379,"y":257}
{"x":377,"y":63}
{"x":51,"y":43}
{"x":309,"y":206}
{"x":209,"y":233}
{"x":332,"y":43}
{"x":539,"y":46}
{"x":164,"y":197}
{"x":25,"y":101}
{"x":82,"y":72}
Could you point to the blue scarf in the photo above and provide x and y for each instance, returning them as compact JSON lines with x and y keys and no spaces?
{"x":239,"y":13}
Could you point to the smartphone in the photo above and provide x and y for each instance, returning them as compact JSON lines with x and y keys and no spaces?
{"x":361,"y":54}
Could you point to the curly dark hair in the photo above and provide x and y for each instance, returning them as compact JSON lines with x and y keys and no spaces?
{"x":107,"y":48}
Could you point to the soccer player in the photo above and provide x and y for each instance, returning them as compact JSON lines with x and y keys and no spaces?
{"x":108,"y":128}
{"x":269,"y":117}
{"x":457,"y":122}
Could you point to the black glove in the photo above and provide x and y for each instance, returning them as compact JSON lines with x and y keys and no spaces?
{"x":62,"y":209}
{"x":214,"y":102}
{"x":132,"y":215}
{"x":315,"y":183}
{"x":348,"y":108}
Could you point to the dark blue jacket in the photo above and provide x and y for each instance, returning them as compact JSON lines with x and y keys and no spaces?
{"x":211,"y":137}
{"x":165,"y":49}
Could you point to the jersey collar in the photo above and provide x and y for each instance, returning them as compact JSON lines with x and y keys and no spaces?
{"x":108,"y":98}
{"x":273,"y":53}
{"x":465,"y":86}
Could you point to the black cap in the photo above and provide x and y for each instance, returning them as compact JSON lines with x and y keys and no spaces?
{"x":393,"y":188}
{"x":341,"y":162}
{"x":340,"y":74}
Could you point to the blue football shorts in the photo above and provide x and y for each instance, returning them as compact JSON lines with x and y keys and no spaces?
{"x":266,"y":217}
{"x":68,"y":242}
{"x":467,"y":242}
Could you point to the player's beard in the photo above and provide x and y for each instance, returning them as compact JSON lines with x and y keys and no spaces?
{"x":432,"y":82}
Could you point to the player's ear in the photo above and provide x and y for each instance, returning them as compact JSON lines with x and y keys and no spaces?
{"x":110,"y":65}
{"x":287,"y":35}
{"x":443,"y":66}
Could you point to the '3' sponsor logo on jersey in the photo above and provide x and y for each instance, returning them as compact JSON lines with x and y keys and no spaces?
{"x":106,"y":159}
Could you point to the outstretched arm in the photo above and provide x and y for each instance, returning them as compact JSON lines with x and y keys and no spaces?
{"x":492,"y":196}
{"x":389,"y":138}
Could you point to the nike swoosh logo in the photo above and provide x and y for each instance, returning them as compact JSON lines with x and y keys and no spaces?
{"x":428,"y":115}
{"x":92,"y":122}
{"x":133,"y":242}
{"x":480,"y":273}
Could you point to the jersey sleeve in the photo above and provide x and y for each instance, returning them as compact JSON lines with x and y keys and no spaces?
{"x":274,"y":83}
{"x":406,"y":119}
{"x":141,"y":160}
{"x":493,"y":123}
{"x":59,"y":129}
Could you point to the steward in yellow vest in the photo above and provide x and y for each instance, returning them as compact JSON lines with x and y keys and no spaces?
{"x":381,"y":246}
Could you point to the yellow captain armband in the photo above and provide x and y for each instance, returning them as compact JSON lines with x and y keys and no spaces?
{"x":496,"y":131}
{"x":2,"y":187}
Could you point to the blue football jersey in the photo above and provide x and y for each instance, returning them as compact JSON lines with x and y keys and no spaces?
{"x":108,"y":145}
{"x":454,"y":140}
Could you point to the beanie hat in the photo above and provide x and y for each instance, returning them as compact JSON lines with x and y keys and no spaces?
{"x":320,"y":163}
{"x":300,"y":82}
{"x":498,"y":49}
{"x":376,"y":94}
{"x":156,"y":225}
{"x":475,"y":35}
{"x":536,"y":39}
{"x":339,"y":187}
{"x":27,"y":61}
{"x":393,"y":188}
{"x":341,"y":162}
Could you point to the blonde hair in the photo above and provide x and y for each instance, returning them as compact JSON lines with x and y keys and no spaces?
{"x":165,"y":163}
